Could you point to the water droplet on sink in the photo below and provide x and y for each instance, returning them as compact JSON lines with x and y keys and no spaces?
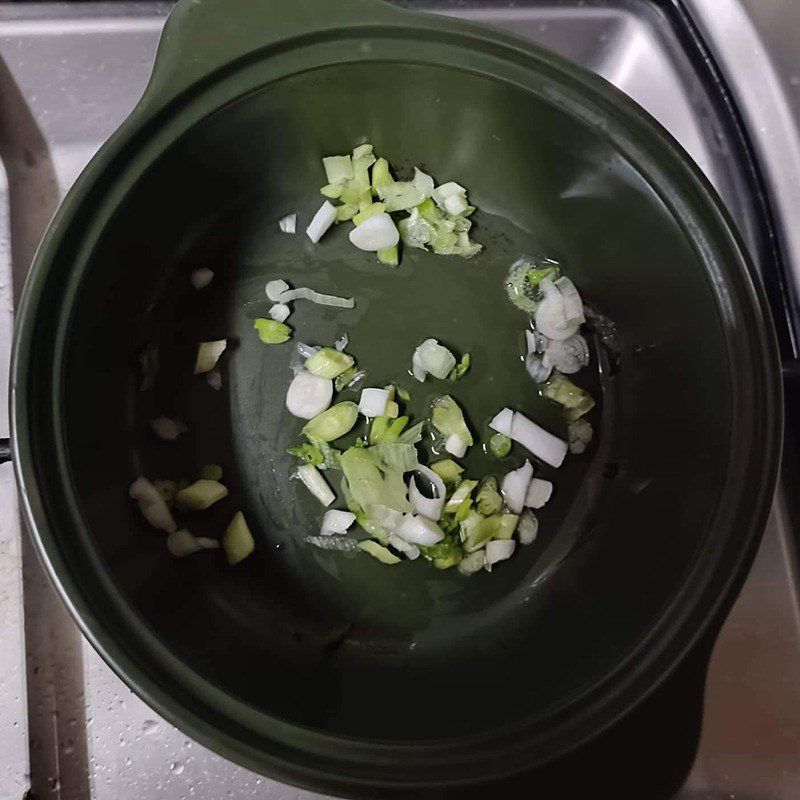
{"x":150,"y":726}
{"x":176,"y":767}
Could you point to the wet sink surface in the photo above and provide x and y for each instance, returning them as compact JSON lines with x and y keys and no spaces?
{"x":69,"y":74}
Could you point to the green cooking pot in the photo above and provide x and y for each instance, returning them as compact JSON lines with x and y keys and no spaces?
{"x":338,"y":673}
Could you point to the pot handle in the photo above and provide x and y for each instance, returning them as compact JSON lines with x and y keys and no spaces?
{"x":6,"y":453}
{"x":202,"y":36}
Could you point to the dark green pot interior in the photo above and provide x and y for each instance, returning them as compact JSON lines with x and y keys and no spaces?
{"x":343,"y":645}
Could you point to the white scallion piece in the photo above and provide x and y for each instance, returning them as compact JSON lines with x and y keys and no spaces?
{"x":372,"y":402}
{"x":280,"y":312}
{"x":167,"y":429}
{"x":515,"y":487}
{"x":560,"y":313}
{"x":312,"y":479}
{"x":527,"y":527}
{"x":214,"y":379}
{"x":342,"y":342}
{"x":540,"y":442}
{"x":568,"y":356}
{"x":423,"y":182}
{"x":288,"y":224}
{"x":389,"y":518}
{"x":208,"y":354}
{"x":322,"y":220}
{"x":275,"y":289}
{"x":536,"y":439}
{"x":279,"y":292}
{"x":539,"y":492}
{"x":419,"y":530}
{"x":335,"y":521}
{"x":182,"y":543}
{"x":502,"y":421}
{"x":499,"y":550}
{"x":432,"y":358}
{"x":152,"y":505}
{"x":472,"y":563}
{"x":201,"y":278}
{"x":430,"y":508}
{"x":455,"y":445}
{"x":451,"y":197}
{"x":308,"y":395}
{"x":376,"y":233}
{"x":410,"y":551}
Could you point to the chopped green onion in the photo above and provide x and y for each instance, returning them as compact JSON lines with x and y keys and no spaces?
{"x":208,"y":354}
{"x":338,"y":169}
{"x":332,"y":190}
{"x":345,"y":212}
{"x":540,"y":442}
{"x":413,"y":434}
{"x":402,"y":394}
{"x":328,"y":362}
{"x":472,"y":538}
{"x":332,"y":423}
{"x":445,"y":554}
{"x":392,"y":410}
{"x":371,"y":486}
{"x":369,"y":211}
{"x":579,"y":434}
{"x":308,"y":395}
{"x":167,"y":489}
{"x":330,"y":455}
{"x":344,"y":379}
{"x":376,"y":233}
{"x":432,"y":358}
{"x":539,"y":492}
{"x":420,"y":530}
{"x":400,"y":196}
{"x":448,"y":471}
{"x":377,"y":551}
{"x":200,"y":495}
{"x":237,"y":540}
{"x":423,"y":182}
{"x":527,"y":527}
{"x":472,"y":563}
{"x":448,"y":419}
{"x":321,"y":221}
{"x":364,"y":151}
{"x":373,"y":529}
{"x":461,"y":494}
{"x":272,"y":332}
{"x":373,"y":402}
{"x":535,"y":276}
{"x":381,"y":176}
{"x":460,"y":369}
{"x":515,"y":486}
{"x":152,"y":505}
{"x":389,"y":256}
{"x":182,"y":543}
{"x":167,"y":429}
{"x":416,"y":231}
{"x":396,"y":456}
{"x":488,"y":500}
{"x":307,"y":453}
{"x":498,"y":526}
{"x":500,"y":445}
{"x":385,"y":429}
{"x":211,"y":472}
{"x":562,"y":390}
{"x":313,"y":481}
{"x":499,"y":551}
{"x":410,"y":551}
{"x":336,"y":521}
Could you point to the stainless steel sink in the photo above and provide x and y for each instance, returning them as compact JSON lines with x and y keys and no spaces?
{"x":69,"y":74}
